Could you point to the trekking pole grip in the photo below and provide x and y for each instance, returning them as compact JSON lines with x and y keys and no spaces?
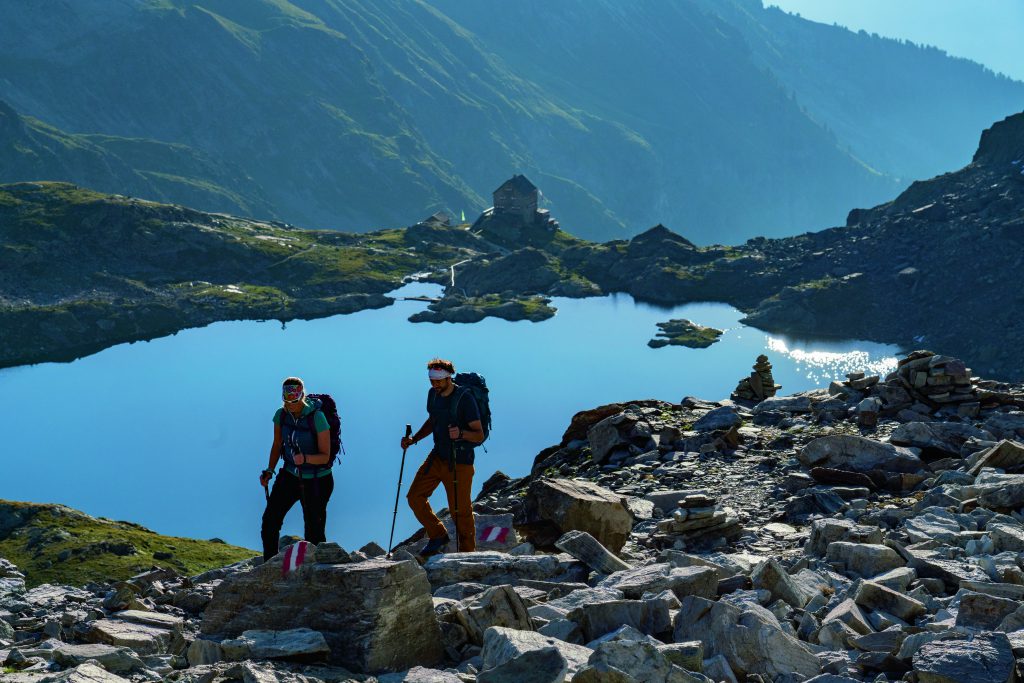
{"x":408,"y":430}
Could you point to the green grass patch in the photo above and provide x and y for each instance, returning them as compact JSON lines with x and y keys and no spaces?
{"x":684,"y":333}
{"x":58,"y":546}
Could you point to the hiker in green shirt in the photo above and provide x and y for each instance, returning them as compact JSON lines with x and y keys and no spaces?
{"x":302,"y":440}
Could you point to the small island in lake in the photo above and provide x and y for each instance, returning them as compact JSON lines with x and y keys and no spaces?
{"x":684,"y":333}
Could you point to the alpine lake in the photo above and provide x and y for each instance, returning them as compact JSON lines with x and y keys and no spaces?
{"x":172,"y":433}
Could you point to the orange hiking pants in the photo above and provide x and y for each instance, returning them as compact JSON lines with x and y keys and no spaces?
{"x":435,"y":471}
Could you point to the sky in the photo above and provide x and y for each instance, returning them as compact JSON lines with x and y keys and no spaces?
{"x":990,"y":32}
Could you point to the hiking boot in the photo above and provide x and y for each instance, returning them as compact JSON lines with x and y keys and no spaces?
{"x":435,"y":546}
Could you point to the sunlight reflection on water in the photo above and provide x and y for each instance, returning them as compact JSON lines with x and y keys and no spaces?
{"x":822,"y":366}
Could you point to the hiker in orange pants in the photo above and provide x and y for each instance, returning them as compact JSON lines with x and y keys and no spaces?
{"x":435,"y":471}
{"x":454,"y":421}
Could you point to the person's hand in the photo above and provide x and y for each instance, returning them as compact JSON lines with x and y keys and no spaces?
{"x":299,"y":459}
{"x":406,"y":442}
{"x":265,"y":476}
{"x":454,"y":432}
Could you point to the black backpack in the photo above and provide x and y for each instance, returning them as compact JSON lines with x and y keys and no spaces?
{"x":330,"y":411}
{"x":475,"y":385}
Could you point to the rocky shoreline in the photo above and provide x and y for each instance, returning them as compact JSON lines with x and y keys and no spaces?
{"x":867,"y":531}
{"x":114,"y":269}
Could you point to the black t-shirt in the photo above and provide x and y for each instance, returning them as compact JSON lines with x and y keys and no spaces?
{"x":440,"y":409}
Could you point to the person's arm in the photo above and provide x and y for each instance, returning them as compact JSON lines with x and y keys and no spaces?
{"x":275,"y":455}
{"x":421,"y":433}
{"x":473,"y":433}
{"x":323,"y":444}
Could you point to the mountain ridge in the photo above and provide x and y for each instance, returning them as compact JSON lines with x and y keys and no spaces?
{"x":335,"y":108}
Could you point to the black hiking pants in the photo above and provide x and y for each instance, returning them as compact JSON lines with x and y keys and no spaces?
{"x":313,"y":494}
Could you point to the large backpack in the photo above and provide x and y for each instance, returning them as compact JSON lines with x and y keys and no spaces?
{"x":330,"y":410}
{"x":475,"y":385}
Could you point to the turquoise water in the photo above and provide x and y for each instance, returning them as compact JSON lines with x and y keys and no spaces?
{"x":173,"y":433}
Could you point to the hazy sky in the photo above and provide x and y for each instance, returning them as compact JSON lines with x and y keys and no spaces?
{"x":987,"y":31}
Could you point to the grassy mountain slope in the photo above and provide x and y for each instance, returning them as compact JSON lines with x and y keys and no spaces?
{"x":57,"y":544}
{"x":683,"y":79}
{"x":146,"y":168}
{"x":352,"y":114}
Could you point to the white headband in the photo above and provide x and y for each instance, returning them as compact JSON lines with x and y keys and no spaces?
{"x":439,"y":373}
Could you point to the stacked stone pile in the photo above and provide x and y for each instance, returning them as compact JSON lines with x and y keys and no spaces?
{"x":759,"y":385}
{"x":938,"y":380}
{"x":829,"y":551}
{"x":697,"y":518}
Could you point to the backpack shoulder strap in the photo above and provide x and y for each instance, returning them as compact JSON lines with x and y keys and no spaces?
{"x":459,"y":393}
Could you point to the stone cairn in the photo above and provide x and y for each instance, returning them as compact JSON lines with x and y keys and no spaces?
{"x":760,"y":385}
{"x":938,"y":380}
{"x":699,"y":519}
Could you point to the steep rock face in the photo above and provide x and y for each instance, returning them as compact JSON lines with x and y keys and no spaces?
{"x":376,"y":615}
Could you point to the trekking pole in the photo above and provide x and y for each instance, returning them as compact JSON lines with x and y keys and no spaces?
{"x":398,"y":493}
{"x":455,"y":496}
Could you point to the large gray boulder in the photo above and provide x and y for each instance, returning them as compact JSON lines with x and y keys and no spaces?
{"x":864,"y":559}
{"x":571,"y":504}
{"x":605,"y":437}
{"x":502,"y":645}
{"x":144,"y":639}
{"x":642,"y":660}
{"x":496,"y":606}
{"x":1003,"y":455}
{"x":718,"y":418}
{"x":771,"y":576}
{"x":858,"y":454}
{"x":654,"y":578}
{"x":749,"y":637}
{"x":825,"y":532}
{"x":647,"y":616}
{"x":945,"y":437}
{"x":544,"y":665}
{"x":375,"y":615}
{"x":874,"y":596}
{"x":987,"y":658}
{"x":115,"y":659}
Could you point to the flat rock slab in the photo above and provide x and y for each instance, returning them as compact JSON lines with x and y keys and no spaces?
{"x":145,"y":640}
{"x":375,"y":615}
{"x":84,"y":673}
{"x":988,"y":658}
{"x":167,"y":621}
{"x":111,"y":658}
{"x":300,"y":643}
{"x":420,"y":674}
{"x":858,"y":454}
{"x":495,"y":568}
{"x":654,"y":578}
{"x":48,"y":595}
{"x":590,"y":552}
